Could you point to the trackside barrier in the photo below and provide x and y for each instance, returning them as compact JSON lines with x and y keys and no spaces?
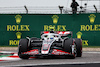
{"x":13,"y":27}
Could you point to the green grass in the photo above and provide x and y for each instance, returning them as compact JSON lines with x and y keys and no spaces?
{"x":91,"y":46}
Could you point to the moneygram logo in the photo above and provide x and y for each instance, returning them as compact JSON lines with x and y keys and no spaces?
{"x":92,"y":18}
{"x":18,"y":18}
{"x":55,"y":19}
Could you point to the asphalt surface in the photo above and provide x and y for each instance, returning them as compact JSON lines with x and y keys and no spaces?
{"x":67,"y":65}
{"x":87,"y":57}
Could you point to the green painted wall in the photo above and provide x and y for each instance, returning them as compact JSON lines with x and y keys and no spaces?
{"x":13,"y":27}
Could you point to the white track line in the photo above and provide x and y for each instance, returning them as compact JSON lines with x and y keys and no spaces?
{"x":6,"y":52}
{"x":15,"y":54}
{"x":9,"y":58}
{"x":54,"y":63}
{"x":92,"y":52}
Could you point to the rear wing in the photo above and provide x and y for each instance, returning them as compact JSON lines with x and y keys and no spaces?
{"x":62,"y":33}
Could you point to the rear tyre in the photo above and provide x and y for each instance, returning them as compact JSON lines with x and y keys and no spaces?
{"x":78,"y":43}
{"x":23,"y":47}
{"x":67,"y":46}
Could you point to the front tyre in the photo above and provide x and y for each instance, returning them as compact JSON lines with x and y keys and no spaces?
{"x":67,"y":46}
{"x":23,"y":47}
{"x":78,"y":43}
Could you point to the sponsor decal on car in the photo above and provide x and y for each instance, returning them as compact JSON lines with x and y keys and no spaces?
{"x":32,"y":52}
{"x":59,"y":52}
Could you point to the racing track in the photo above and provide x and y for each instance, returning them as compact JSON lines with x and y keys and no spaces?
{"x":88,"y":57}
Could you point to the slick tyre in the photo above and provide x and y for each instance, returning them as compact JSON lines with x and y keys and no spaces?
{"x":78,"y":43}
{"x":23,"y":47}
{"x":67,"y":46}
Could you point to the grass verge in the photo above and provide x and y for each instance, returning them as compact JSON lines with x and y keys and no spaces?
{"x":91,"y":46}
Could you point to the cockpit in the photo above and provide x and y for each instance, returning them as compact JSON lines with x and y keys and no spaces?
{"x":50,"y":36}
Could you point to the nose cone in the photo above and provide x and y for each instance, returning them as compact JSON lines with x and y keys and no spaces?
{"x":45,"y":48}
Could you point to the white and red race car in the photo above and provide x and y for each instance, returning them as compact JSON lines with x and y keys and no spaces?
{"x":52,"y":43}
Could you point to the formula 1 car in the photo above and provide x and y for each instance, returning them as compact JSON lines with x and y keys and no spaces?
{"x":52,"y":43}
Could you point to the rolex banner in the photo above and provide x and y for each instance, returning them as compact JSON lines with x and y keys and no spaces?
{"x":14,"y":27}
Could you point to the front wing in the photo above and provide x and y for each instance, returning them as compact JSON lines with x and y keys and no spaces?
{"x":35,"y":52}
